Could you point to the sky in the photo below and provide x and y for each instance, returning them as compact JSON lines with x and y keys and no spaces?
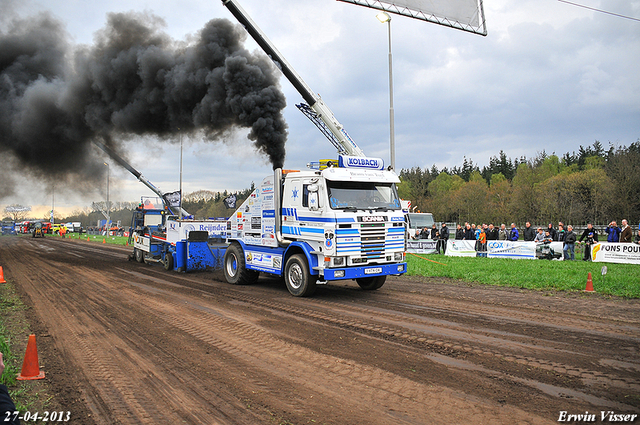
{"x":549,"y":76}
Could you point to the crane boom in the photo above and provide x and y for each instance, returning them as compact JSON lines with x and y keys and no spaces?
{"x":315,"y":109}
{"x":117,"y":158}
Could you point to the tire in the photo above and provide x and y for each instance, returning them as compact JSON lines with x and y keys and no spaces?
{"x":371,"y":283}
{"x":168,"y":261}
{"x":300,"y":282}
{"x":235,"y":271}
{"x":139,"y":255}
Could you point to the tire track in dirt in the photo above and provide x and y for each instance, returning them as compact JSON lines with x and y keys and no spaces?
{"x":264,"y":351}
{"x":405,"y":336}
{"x":390,"y":324}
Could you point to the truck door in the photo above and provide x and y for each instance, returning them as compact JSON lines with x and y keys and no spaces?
{"x":303,"y":216}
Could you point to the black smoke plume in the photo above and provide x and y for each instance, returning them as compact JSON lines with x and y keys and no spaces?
{"x":135,"y":80}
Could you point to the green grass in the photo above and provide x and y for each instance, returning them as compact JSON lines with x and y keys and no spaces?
{"x":115,"y":240}
{"x":10,"y":371}
{"x":621,"y":280}
{"x":11,"y":309}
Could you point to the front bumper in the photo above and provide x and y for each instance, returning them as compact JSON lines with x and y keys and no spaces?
{"x":365,"y":271}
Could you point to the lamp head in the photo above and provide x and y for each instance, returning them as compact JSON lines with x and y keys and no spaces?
{"x":383,"y":17}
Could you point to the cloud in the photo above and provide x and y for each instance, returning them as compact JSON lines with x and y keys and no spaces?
{"x":549,"y":76}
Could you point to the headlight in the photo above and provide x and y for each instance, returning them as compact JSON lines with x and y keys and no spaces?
{"x":398,"y":256}
{"x":338,"y":261}
{"x":401,"y":267}
{"x":339,"y":273}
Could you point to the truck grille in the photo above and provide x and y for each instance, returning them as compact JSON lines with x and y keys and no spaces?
{"x":366,"y":242}
{"x":372,"y":237}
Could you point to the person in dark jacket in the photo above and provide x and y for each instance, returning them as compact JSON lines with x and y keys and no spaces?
{"x":552,"y":231}
{"x":459,"y":232}
{"x":444,"y":237}
{"x":560,"y":233}
{"x":590,"y":235}
{"x":492,"y":233}
{"x":6,"y":404}
{"x":569,"y":244}
{"x":469,"y":233}
{"x":529,"y":234}
{"x":434,"y":232}
{"x":513,"y":234}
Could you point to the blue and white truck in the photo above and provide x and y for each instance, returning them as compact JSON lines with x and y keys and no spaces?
{"x":341,"y":222}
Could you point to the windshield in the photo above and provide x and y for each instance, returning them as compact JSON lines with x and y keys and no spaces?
{"x":420,"y":220}
{"x":362,"y":195}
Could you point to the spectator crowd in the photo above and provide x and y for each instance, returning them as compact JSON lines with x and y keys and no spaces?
{"x":483,"y":233}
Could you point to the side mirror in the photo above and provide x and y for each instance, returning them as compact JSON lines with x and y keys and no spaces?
{"x":313,"y":197}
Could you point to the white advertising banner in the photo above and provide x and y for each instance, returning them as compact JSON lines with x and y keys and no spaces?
{"x":624,"y":253}
{"x":421,"y":246}
{"x":466,"y":15}
{"x":509,"y":249}
{"x":461,"y":248}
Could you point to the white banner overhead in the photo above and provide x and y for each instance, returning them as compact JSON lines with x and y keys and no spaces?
{"x":466,"y":15}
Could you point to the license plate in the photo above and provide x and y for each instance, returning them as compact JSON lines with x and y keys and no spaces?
{"x":373,"y":270}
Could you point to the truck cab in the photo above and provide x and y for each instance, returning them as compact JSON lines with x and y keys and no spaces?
{"x":148,"y":230}
{"x":353,"y":217}
{"x":317,"y":226}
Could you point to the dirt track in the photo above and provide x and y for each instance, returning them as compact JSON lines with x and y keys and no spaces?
{"x":126,"y":343}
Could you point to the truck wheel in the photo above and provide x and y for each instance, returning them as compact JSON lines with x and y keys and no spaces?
{"x":300,"y":282}
{"x":235,"y":271}
{"x":168,"y":261}
{"x":139,"y":254}
{"x":371,"y":283}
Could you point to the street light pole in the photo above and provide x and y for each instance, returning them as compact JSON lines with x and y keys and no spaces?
{"x":108,"y":204}
{"x":385,"y":17}
{"x":53,"y":201}
{"x":180,"y":188}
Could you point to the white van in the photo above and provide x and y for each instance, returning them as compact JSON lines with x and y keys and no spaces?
{"x":417,"y":221}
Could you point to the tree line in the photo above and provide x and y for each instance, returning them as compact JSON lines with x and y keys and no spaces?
{"x":594,"y":185}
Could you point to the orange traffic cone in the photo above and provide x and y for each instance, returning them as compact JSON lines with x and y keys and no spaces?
{"x":2,"y":276}
{"x":104,"y":240}
{"x":88,"y":239}
{"x":30,"y":367}
{"x":589,"y":287}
